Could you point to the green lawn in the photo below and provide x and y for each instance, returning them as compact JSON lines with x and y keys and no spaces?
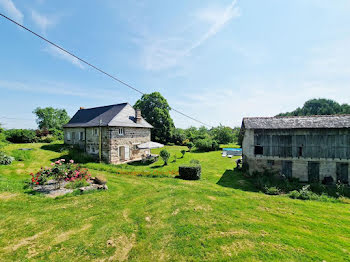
{"x":217,"y":218}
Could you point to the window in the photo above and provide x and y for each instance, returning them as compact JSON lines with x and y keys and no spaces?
{"x":95,"y":132}
{"x":81,"y":136}
{"x":300,"y":151}
{"x":68,"y":136}
{"x":73,"y":135}
{"x":121,"y":131}
{"x":258,"y":150}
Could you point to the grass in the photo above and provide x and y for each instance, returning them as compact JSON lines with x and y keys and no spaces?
{"x":217,"y":218}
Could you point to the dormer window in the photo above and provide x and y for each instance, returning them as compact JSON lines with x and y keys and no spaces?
{"x":121,"y":131}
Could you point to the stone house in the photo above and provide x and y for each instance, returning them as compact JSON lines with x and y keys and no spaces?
{"x":310,"y":148}
{"x":114,"y":130}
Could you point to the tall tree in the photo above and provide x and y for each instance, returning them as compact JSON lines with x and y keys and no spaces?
{"x":155,"y":109}
{"x":319,"y":107}
{"x":223,"y":134}
{"x":51,"y":118}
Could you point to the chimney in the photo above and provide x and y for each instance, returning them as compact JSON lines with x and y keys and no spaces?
{"x":138,"y":116}
{"x":81,"y":108}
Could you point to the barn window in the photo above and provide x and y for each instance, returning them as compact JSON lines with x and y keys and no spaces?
{"x":95,"y":132}
{"x":300,"y":151}
{"x":258,"y":150}
{"x":68,"y":136}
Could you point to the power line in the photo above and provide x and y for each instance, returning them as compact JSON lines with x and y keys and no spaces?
{"x":95,"y":67}
{"x":14,"y":118}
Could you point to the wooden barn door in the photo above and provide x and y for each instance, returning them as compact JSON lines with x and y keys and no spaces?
{"x":343,"y":172}
{"x":287,"y":167}
{"x":314,"y":172}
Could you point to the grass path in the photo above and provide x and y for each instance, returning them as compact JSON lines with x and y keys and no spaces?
{"x":218,"y":218}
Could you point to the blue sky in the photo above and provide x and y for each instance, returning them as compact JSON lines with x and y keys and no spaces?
{"x":217,"y":61}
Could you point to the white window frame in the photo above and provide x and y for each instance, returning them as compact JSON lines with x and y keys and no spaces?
{"x":68,"y":136}
{"x":121,"y":131}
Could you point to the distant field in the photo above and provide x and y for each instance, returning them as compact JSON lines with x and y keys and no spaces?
{"x":219,"y":218}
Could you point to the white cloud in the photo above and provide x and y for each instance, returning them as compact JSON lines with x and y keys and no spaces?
{"x":42,"y":21}
{"x":12,"y":10}
{"x":54,"y":51}
{"x":159,"y":53}
{"x":218,"y":19}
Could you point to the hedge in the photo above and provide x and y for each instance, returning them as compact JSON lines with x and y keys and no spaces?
{"x":192,"y":172}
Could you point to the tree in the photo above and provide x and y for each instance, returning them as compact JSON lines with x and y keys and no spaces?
{"x":320,"y":106}
{"x":165,"y":155}
{"x":51,"y":118}
{"x":155,"y":109}
{"x":223,"y":134}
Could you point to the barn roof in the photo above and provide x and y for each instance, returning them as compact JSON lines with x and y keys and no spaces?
{"x":112,"y":115}
{"x":297,"y":122}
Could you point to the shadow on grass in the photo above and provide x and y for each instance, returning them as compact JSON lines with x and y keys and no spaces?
{"x":138,"y":163}
{"x":54,"y":147}
{"x":235,"y":179}
{"x":158,"y":166}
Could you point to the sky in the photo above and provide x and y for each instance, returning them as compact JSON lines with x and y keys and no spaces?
{"x":217,"y":61}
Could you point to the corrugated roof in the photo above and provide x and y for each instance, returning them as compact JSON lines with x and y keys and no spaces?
{"x":112,"y":115}
{"x":297,"y":122}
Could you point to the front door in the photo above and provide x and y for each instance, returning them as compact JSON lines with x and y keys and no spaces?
{"x":122,"y":153}
{"x":127,"y":153}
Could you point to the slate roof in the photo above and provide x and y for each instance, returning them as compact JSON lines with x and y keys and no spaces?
{"x":113,"y":115}
{"x":297,"y":122}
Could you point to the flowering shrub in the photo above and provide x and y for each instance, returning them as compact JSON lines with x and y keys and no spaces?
{"x":60,"y":171}
{"x":155,"y":173}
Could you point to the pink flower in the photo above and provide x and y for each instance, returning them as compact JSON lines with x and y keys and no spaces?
{"x":71,"y":161}
{"x":57,"y":162}
{"x":63,"y":160}
{"x":52,"y":164}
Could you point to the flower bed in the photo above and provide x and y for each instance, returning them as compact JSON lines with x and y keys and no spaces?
{"x":155,"y":173}
{"x":60,"y":171}
{"x":62,"y":177}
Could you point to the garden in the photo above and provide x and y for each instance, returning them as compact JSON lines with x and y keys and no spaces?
{"x":149,"y":214}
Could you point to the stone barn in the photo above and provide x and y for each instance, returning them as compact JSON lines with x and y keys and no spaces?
{"x":115,"y":130}
{"x":311,"y":148}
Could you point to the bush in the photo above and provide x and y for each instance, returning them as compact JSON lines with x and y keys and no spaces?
{"x":5,"y":159}
{"x":207,"y":145}
{"x":190,"y":145}
{"x":60,"y":171}
{"x":192,"y":172}
{"x":272,"y":191}
{"x":21,"y":136}
{"x":165,"y":155}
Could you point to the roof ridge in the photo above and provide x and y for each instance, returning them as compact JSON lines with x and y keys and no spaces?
{"x":125,"y":103}
{"x":310,"y":116}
